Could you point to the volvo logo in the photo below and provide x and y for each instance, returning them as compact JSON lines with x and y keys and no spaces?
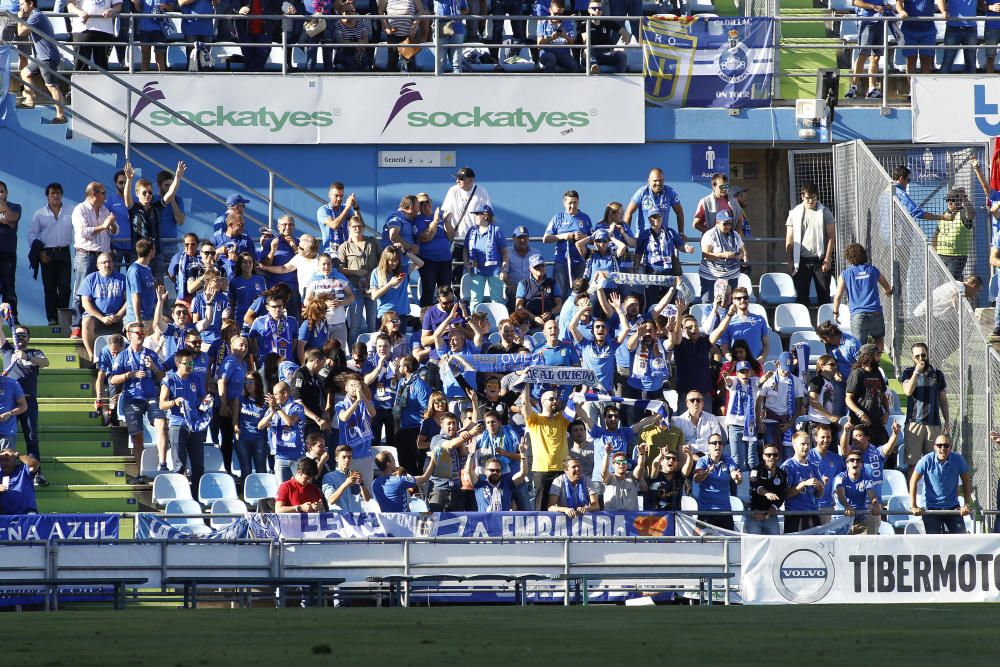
{"x":804,"y":576}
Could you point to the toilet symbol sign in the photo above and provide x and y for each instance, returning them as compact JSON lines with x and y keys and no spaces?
{"x":708,"y":159}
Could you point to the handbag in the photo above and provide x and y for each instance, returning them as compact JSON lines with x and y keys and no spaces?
{"x":167,"y":26}
{"x":408,"y":52}
{"x":448,"y":28}
{"x":314,"y":27}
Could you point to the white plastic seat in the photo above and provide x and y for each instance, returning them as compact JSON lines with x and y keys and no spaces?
{"x":792,"y":317}
{"x":259,"y":486}
{"x":689,"y":504}
{"x":694,"y":281}
{"x":758,"y":309}
{"x":776,"y":347}
{"x":190,"y":524}
{"x":213,"y":459}
{"x":465,"y":287}
{"x":149,"y":465}
{"x":894,"y":484}
{"x":913,"y":527}
{"x":842,"y":320}
{"x":495,"y":312}
{"x":100,"y":343}
{"x":885,"y":529}
{"x":816,"y":347}
{"x":418,"y":505}
{"x":170,"y":486}
{"x":494,"y":338}
{"x":743,"y":280}
{"x":737,"y":506}
{"x":698,"y":310}
{"x":226,"y":506}
{"x":776,"y":288}
{"x":216,"y":486}
{"x":370,"y":506}
{"x":538,"y":338}
{"x":366,"y":338}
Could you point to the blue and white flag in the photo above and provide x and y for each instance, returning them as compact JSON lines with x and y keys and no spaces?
{"x":498,"y":363}
{"x":725,"y":62}
{"x":5,"y":107}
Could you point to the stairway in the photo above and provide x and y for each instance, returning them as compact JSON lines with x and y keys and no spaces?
{"x":85,"y":462}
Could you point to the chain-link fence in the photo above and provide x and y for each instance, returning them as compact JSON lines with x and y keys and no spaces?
{"x":927,"y":304}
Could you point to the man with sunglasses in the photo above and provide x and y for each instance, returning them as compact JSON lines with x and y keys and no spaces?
{"x":601,"y":36}
{"x":495,"y":489}
{"x":809,"y":234}
{"x":145,"y":211}
{"x":22,"y":364}
{"x":697,"y":425}
{"x":941,"y":471}
{"x":611,"y":434}
{"x":714,"y":202}
{"x":858,"y":495}
{"x":439,"y":312}
{"x":722,"y":254}
{"x":768,"y":485}
{"x":182,"y":264}
{"x":739,"y":322}
{"x":189,"y":410}
{"x":139,"y":371}
{"x":927,"y":409}
{"x":621,"y":490}
{"x":665,"y":485}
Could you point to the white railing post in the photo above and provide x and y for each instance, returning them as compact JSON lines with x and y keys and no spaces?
{"x":270,"y":199}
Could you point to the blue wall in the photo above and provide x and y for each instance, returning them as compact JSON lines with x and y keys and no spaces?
{"x":525,"y":182}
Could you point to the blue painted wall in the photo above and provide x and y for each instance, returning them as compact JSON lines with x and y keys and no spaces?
{"x":525,"y":182}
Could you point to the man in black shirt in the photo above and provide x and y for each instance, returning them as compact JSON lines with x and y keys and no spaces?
{"x":768,"y":484}
{"x":22,"y":363}
{"x":307,"y":389}
{"x":666,"y":485}
{"x":144,"y":214}
{"x":600,"y":36}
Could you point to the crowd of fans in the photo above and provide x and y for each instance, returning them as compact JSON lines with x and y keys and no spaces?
{"x":289,"y":346}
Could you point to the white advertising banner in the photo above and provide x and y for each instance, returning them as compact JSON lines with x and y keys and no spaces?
{"x":955,"y":109}
{"x":870,"y":569}
{"x":372,"y":109}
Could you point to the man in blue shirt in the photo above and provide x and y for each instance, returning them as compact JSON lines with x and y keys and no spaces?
{"x":235,"y":202}
{"x":400,"y":226}
{"x":333,"y":217}
{"x":941,"y":470}
{"x":557,"y":31}
{"x":285,"y":423}
{"x":805,"y":486}
{"x":189,"y":410}
{"x":495,"y":488}
{"x":17,"y":493}
{"x":140,"y":286}
{"x":612,"y":433}
{"x":139,"y":371}
{"x":565,"y":228}
{"x":343,"y":488}
{"x":859,"y":439}
{"x":102,"y":298}
{"x":901,"y":174}
{"x":22,"y":363}
{"x":739,"y":322}
{"x":391,"y":488}
{"x":656,"y":197}
{"x":12,"y":404}
{"x":961,"y":32}
{"x":47,"y":59}
{"x":920,"y":34}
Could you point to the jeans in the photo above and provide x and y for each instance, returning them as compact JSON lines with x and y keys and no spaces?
{"x":809,"y":272}
{"x":446,"y":51}
{"x":959,"y":36}
{"x":283,"y":469}
{"x":323,"y":39}
{"x":56,"y":279}
{"x":28,"y":421}
{"x":616,"y":59}
{"x":955,"y":265}
{"x":744,"y":453}
{"x":189,"y":445}
{"x":766,"y":526}
{"x":361,"y":315}
{"x":477,"y":290}
{"x":772,"y":436}
{"x":8,"y":267}
{"x":559,"y":60}
{"x":84,"y":263}
{"x":938,"y":525}
{"x":383,"y":417}
{"x":433,"y":274}
{"x":868,"y":325}
{"x":251,"y":451}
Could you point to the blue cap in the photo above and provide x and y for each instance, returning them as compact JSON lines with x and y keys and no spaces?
{"x":723,"y":216}
{"x":535,"y":260}
{"x":520,"y":231}
{"x":742,"y":366}
{"x":235,"y":199}
{"x":601,"y":235}
{"x":653,"y":213}
{"x":485,"y":208}
{"x":786,"y":361}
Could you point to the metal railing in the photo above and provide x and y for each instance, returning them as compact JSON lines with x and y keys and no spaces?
{"x":124,"y":138}
{"x":927,"y":305}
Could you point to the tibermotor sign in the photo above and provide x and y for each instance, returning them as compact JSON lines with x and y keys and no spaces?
{"x":875,"y":569}
{"x":368,"y":110}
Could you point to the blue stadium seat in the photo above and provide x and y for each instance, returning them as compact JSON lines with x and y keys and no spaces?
{"x":792,"y":317}
{"x":216,"y":486}
{"x":744,"y":281}
{"x":776,"y":348}
{"x":894,"y":484}
{"x":776,"y":288}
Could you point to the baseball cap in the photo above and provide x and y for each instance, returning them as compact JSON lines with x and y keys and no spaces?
{"x":485,"y":208}
{"x":465,"y":172}
{"x":520,"y":231}
{"x":601,"y":235}
{"x":723,"y":216}
{"x":235,"y":199}
{"x":653,"y":213}
{"x":737,"y":189}
{"x":535,"y":260}
{"x":785,"y":361}
{"x":742,"y":366}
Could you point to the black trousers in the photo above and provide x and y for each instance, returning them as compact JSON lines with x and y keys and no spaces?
{"x":8,"y":269}
{"x":542,"y":482}
{"x":809,"y":272}
{"x":406,"y":447}
{"x":56,"y":275}
{"x":84,"y":48}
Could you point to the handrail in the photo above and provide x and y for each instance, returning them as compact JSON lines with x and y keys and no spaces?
{"x":272,"y":174}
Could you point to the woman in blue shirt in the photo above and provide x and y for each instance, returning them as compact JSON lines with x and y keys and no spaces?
{"x":861,"y":280}
{"x":434,"y":235}
{"x":245,"y":286}
{"x":486,"y":258}
{"x":251,"y":443}
{"x":314,"y":331}
{"x":389,"y":285}
{"x":650,"y":364}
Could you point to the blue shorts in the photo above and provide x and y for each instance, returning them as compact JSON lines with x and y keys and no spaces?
{"x":915,"y":38}
{"x":135,"y":410}
{"x":870,"y":39}
{"x":149,"y":37}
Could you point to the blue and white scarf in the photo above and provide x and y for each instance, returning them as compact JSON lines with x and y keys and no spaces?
{"x":576,"y":494}
{"x":744,"y":399}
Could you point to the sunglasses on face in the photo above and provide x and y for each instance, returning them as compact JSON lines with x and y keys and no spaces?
{"x":943,"y":445}
{"x":493,"y":470}
{"x":620,"y":462}
{"x":695,"y":400}
{"x":770,"y":455}
{"x":715,"y":442}
{"x":740,"y":298}
{"x":853,"y":461}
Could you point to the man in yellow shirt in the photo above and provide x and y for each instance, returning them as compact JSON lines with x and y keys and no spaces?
{"x":548,"y":442}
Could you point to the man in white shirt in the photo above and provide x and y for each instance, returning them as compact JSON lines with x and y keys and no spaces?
{"x":461,"y":200}
{"x":809,"y":234}
{"x":696,"y":424}
{"x":93,"y":227}
{"x":52,"y":226}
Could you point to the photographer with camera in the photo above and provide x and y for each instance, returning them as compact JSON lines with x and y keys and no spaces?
{"x":22,"y":363}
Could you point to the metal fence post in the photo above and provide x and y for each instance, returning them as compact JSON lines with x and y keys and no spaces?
{"x":437,"y":49}
{"x":586,"y":52}
{"x":963,"y":397}
{"x":895,"y":299}
{"x":270,"y":199}
{"x":886,"y":63}
{"x":990,"y":447}
{"x":284,"y":52}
